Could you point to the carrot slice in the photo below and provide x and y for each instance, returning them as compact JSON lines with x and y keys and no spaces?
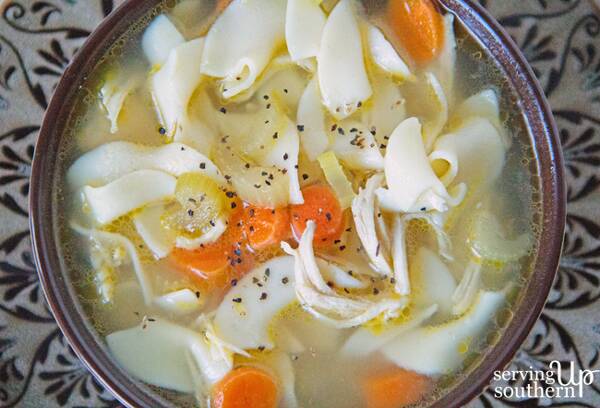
{"x":418,"y":26}
{"x":214,"y":265}
{"x":246,"y":387}
{"x":265,"y":226}
{"x":322,"y":206}
{"x":395,"y":388}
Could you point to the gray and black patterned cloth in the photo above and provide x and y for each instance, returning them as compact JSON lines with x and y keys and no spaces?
{"x":561,"y":40}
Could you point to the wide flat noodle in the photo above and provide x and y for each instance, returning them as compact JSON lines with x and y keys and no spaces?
{"x":284,"y":155}
{"x":384,"y":55}
{"x":444,"y":66}
{"x":342,"y":75}
{"x":148,"y":225}
{"x":355,"y":145}
{"x":364,"y":342}
{"x":241,"y":42}
{"x":132,"y":191}
{"x":159,"y":352}
{"x":181,"y":301}
{"x":246,"y":324}
{"x":113,"y":160}
{"x":386,"y":110}
{"x":432,"y":282}
{"x":474,"y":153}
{"x":435,"y":350}
{"x":484,"y":104}
{"x":427,"y":101}
{"x":159,"y":39}
{"x":304,"y":24}
{"x":174,"y":83}
{"x":311,"y":117}
{"x":412,"y":185}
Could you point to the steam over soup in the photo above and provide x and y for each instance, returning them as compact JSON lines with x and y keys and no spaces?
{"x":297,"y":204}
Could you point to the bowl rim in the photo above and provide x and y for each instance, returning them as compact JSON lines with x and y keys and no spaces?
{"x":543,"y":135}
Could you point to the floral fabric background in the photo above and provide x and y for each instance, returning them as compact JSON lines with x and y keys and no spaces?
{"x":560,"y":38}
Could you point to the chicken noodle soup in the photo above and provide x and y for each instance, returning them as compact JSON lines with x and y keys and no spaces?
{"x":298,"y":203}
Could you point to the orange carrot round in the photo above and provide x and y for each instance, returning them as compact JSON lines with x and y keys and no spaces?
{"x":322,"y":206}
{"x":265,"y":226}
{"x":395,"y":388}
{"x":419,"y":28}
{"x":246,"y":387}
{"x":214,"y":265}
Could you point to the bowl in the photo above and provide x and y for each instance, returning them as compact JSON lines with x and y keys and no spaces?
{"x":528,"y":100}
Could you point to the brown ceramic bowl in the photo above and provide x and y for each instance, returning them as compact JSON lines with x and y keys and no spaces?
{"x":527,"y":103}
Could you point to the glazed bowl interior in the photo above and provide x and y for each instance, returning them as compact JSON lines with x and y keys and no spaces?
{"x":528,"y":114}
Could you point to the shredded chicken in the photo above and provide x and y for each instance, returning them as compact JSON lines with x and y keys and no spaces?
{"x":402,"y":285}
{"x":366,"y":213}
{"x":109,"y":251}
{"x":323,"y":302}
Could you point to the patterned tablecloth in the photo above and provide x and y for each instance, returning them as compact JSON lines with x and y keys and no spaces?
{"x":560,"y":38}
